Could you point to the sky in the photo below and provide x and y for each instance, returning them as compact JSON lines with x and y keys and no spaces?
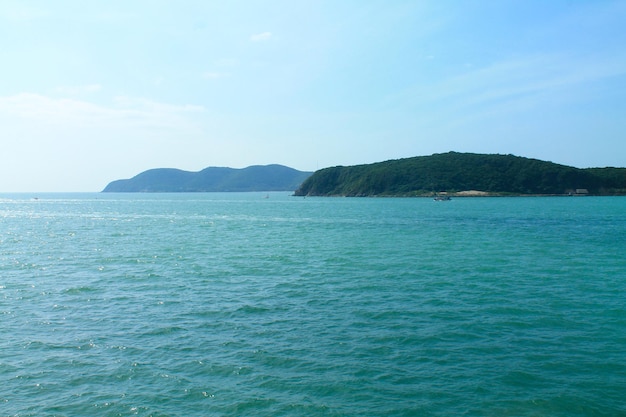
{"x":95,"y":91}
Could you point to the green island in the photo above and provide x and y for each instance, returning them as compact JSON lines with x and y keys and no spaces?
{"x":463,"y":174}
{"x":212,"y":179}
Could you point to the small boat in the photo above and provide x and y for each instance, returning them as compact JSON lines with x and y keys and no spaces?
{"x":442,"y":198}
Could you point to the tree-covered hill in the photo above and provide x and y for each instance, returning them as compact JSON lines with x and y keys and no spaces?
{"x":454,"y":172}
{"x":212,"y":179}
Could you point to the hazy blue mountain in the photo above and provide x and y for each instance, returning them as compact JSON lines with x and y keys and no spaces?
{"x":455,"y":172}
{"x":212,"y":179}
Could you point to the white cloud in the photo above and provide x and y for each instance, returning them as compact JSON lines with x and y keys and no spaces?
{"x":261,"y":37}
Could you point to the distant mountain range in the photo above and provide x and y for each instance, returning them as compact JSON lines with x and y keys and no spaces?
{"x":453,"y":172}
{"x":212,"y":179}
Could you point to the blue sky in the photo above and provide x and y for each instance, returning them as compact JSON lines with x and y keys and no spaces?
{"x":94,"y":91}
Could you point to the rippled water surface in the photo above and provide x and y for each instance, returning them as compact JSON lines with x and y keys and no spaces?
{"x":242,"y":305}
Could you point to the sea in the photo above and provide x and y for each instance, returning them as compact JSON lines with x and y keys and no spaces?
{"x":266,"y":304}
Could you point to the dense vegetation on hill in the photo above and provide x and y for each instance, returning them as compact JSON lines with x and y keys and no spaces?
{"x":253,"y":178}
{"x":453,"y":172}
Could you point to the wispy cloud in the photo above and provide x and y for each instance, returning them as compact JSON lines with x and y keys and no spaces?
{"x":78,"y":89}
{"x":261,"y":37}
{"x":133,"y":132}
{"x":19,"y":12}
{"x":226,"y":62}
{"x":126,"y":112}
{"x":509,"y":81}
{"x":211,"y":75}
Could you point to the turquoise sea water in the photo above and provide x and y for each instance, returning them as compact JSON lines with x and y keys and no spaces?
{"x":241,"y":305}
